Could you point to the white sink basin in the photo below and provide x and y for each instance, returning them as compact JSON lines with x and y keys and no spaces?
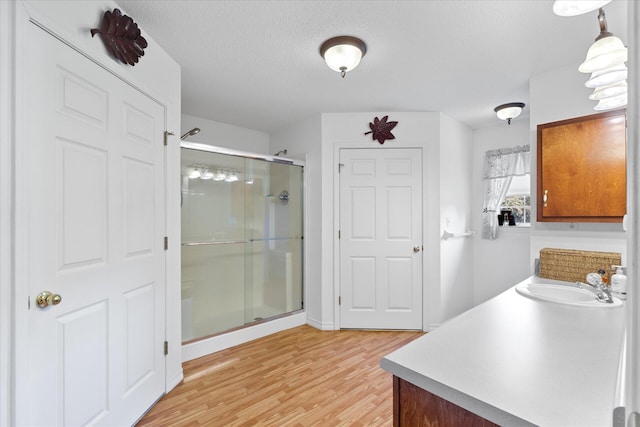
{"x":564,"y":294}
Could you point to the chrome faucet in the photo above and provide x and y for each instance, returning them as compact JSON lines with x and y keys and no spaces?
{"x":595,"y":284}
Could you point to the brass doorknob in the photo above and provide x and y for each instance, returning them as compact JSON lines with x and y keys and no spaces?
{"x":46,"y":298}
{"x":416,"y":249}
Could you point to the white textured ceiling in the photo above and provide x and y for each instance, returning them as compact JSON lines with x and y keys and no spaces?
{"x":255,"y":64}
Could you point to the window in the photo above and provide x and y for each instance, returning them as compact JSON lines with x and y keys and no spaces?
{"x":518,"y":200}
{"x":506,"y":172}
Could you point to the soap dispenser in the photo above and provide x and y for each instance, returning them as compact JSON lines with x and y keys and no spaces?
{"x":619,"y":283}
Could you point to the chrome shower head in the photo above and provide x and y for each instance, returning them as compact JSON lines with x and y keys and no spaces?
{"x":190,"y":133}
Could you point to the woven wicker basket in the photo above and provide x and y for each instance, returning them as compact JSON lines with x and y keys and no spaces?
{"x":571,"y":265}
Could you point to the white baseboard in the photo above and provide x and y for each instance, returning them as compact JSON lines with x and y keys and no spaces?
{"x":220,"y":342}
{"x":174,"y":381}
{"x":433,"y":327}
{"x":323,"y":326}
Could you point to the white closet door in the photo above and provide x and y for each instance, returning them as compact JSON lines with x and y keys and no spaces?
{"x":94,"y":173}
{"x":381,"y":238}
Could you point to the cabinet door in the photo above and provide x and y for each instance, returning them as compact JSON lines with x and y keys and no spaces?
{"x":582,"y":169}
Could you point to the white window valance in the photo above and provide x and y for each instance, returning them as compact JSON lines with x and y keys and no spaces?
{"x":499,"y":167}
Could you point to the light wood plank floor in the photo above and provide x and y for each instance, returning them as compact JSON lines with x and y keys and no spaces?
{"x":299,"y":377}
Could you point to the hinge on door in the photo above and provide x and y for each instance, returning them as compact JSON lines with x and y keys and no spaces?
{"x":340,"y":165}
{"x":339,"y":300}
{"x":338,"y":234}
{"x":166,"y":348}
{"x":166,"y":136}
{"x":166,"y":243}
{"x":29,"y":302}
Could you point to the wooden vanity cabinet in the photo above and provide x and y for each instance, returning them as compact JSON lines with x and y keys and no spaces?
{"x":581,"y":169}
{"x":413,"y":406}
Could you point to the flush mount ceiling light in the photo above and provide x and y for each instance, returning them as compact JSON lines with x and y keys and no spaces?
{"x":577,"y":7}
{"x":509,"y":111}
{"x":343,"y":53}
{"x":607,"y":51}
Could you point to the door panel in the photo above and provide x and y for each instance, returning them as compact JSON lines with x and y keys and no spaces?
{"x":363,"y":278}
{"x":94,"y":172}
{"x":83,"y":219}
{"x":363,"y":217}
{"x":400,"y":296}
{"x":80,"y":333}
{"x":380,"y":224}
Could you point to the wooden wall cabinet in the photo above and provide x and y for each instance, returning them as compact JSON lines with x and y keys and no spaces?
{"x":581,"y":169}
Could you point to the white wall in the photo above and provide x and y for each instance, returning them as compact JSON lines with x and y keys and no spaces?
{"x":557,"y":95}
{"x":503,"y":262}
{"x":225,"y":135}
{"x":456,"y":254}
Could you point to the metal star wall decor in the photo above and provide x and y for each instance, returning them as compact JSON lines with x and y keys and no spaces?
{"x":121,"y":36}
{"x":381,"y":129}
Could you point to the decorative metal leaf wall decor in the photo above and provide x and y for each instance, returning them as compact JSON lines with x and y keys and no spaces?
{"x":381,"y":129}
{"x":121,"y":36}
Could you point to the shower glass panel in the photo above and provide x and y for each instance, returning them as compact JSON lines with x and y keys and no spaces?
{"x":241,"y":240}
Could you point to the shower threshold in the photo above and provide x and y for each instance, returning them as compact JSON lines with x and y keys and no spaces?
{"x":256,"y":321}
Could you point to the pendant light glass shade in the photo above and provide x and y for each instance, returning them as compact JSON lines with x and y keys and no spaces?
{"x":343,"y":53}
{"x":607,"y":76}
{"x":577,"y":7}
{"x":605,"y":53}
{"x":611,"y":103}
{"x":609,"y":91}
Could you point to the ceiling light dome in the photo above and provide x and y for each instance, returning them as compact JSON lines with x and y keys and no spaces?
{"x":343,"y":53}
{"x":577,"y":7}
{"x":509,"y":111}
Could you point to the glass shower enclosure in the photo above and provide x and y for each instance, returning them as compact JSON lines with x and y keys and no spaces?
{"x":242,"y":224}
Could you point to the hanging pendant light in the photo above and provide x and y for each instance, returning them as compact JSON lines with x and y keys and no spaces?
{"x":343,"y":53}
{"x":605,"y":61}
{"x":577,"y":7}
{"x":604,"y":53}
{"x":509,"y":111}
{"x":607,"y":51}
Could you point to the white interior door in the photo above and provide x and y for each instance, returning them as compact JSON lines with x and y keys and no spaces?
{"x":94,"y":175}
{"x":381,"y":238}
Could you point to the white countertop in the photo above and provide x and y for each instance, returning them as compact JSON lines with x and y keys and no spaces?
{"x":517,"y":361}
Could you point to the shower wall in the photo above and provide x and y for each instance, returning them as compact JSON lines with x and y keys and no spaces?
{"x":241,"y":241}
